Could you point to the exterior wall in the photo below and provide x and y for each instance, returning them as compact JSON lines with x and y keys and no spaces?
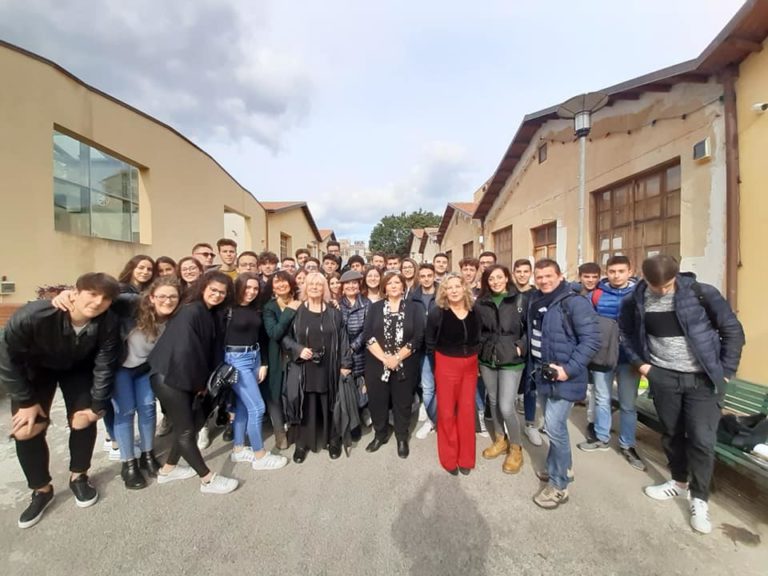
{"x":752,"y":87}
{"x":183,"y":193}
{"x":413,"y":249}
{"x":462,"y":229}
{"x":539,"y":193}
{"x":431,"y":247}
{"x":294,"y":224}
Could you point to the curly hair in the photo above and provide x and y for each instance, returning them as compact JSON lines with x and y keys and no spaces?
{"x":147,"y":320}
{"x":441,"y":299}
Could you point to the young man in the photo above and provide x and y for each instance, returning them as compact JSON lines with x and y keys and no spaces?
{"x":684,"y":337}
{"x":424,"y":295}
{"x":486,"y":259}
{"x":227,"y":254}
{"x":288,"y":264}
{"x":521,"y":274}
{"x":267,"y":265}
{"x":334,"y":248}
{"x":330,"y":264}
{"x":558,"y":357}
{"x":394,"y":262}
{"x":606,"y":299}
{"x":469,"y":268}
{"x":356,"y":263}
{"x":441,"y":263}
{"x":204,"y":254}
{"x":312,"y":264}
{"x":379,"y":260}
{"x":78,"y":350}
{"x":302,"y":254}
{"x":247,"y":262}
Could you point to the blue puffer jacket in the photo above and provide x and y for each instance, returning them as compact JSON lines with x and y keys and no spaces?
{"x":717,"y":348}
{"x":609,"y":303}
{"x":570,"y":342}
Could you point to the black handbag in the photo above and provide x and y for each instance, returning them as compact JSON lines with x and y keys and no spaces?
{"x":222,"y":378}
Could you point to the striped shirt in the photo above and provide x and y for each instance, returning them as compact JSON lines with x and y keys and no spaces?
{"x":667,"y":345}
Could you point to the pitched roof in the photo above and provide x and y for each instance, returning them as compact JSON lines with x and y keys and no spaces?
{"x":417,"y":232}
{"x":278,"y":207}
{"x":743,"y":35}
{"x":428,"y":233}
{"x":467,"y":208}
{"x":327,"y":234}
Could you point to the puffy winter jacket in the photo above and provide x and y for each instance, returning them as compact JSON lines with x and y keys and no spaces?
{"x":569,"y":339}
{"x":503,"y":328}
{"x":716,"y":347}
{"x":354,"y":321}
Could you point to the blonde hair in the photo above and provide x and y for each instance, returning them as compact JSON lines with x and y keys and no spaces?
{"x":441,"y":299}
{"x":310,"y":278}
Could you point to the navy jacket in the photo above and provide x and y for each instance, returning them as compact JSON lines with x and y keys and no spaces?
{"x":570,"y":342}
{"x":717,"y":348}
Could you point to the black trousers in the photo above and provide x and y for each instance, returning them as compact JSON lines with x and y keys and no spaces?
{"x":33,"y":454}
{"x":187,"y":420}
{"x":689,"y":412}
{"x":400,"y":392}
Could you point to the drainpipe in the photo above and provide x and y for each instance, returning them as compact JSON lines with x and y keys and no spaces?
{"x":732,"y":192}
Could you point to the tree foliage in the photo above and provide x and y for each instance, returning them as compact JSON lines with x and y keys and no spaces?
{"x":390,"y":235}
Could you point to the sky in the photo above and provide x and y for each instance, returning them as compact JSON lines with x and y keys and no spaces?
{"x":361,"y":109}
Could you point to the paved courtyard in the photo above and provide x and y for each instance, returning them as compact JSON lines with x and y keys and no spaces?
{"x":372,"y":514}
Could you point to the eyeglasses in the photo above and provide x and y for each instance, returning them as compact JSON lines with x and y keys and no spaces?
{"x":164,"y":297}
{"x":217,"y":292}
{"x":205,"y":254}
{"x":248,"y":265}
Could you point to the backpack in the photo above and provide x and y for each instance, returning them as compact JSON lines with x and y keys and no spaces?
{"x":606,"y":358}
{"x":743,"y":432}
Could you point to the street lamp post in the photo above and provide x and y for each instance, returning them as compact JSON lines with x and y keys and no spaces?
{"x":580,"y":108}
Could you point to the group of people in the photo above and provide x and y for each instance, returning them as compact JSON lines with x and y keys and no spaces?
{"x":326,"y":350}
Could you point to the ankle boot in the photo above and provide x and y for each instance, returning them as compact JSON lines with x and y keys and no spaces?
{"x":514,"y":460}
{"x":496,"y":449}
{"x":132,"y":476}
{"x":149,"y":463}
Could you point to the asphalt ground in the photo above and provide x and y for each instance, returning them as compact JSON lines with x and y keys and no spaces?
{"x":373,"y":514}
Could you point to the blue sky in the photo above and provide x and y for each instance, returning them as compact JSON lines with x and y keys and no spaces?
{"x":361,"y":109}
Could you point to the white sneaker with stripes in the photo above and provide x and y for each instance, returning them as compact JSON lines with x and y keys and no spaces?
{"x":666,"y":491}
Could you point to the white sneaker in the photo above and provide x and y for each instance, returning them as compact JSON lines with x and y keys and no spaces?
{"x":244,"y":455}
{"x":422,"y":413}
{"x":107,"y":446}
{"x":269,"y":462}
{"x":114,"y":453}
{"x":219,"y":485}
{"x":666,"y":491}
{"x":700,"y":516}
{"x":425,"y":429}
{"x":533,"y":435}
{"x":180,"y":472}
{"x":203,"y":438}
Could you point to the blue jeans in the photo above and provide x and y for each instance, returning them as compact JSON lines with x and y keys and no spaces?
{"x":480,"y":394}
{"x":133,"y":395}
{"x":556,"y":412}
{"x":529,"y":405}
{"x":628,"y":381}
{"x":428,"y":389}
{"x":249,"y":405}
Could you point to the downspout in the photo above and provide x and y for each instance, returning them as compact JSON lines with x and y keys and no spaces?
{"x":732,"y":191}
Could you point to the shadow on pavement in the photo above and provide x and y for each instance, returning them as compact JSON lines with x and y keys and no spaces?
{"x":440,"y":530}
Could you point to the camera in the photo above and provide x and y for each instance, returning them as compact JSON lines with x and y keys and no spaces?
{"x":549,"y":373}
{"x":318,"y":355}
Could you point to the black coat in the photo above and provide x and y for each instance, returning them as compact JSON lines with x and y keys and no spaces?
{"x":190,"y":348}
{"x":503,"y":328}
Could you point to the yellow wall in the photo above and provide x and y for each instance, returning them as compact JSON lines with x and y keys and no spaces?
{"x":462,"y":229}
{"x":183,"y":192}
{"x":752,"y":87}
{"x":293,"y":223}
{"x":539,"y":193}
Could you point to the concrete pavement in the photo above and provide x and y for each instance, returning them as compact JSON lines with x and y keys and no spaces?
{"x":371,"y":514}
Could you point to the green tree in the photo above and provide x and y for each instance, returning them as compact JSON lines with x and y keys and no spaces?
{"x":390,"y":235}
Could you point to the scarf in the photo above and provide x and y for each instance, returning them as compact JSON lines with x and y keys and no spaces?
{"x":394,"y":332}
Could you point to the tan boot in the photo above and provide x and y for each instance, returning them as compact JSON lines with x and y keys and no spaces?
{"x":514,"y":460}
{"x":497,"y":448}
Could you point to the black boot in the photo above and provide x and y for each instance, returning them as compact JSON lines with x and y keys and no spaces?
{"x":149,"y":463}
{"x":132,"y":476}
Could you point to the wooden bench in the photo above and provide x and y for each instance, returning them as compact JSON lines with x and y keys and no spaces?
{"x":741,"y":398}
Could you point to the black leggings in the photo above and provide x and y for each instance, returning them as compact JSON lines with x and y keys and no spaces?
{"x":186,"y":422}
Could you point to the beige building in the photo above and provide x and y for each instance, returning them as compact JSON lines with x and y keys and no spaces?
{"x":290,"y":226}
{"x":429,"y":245}
{"x":414,"y":244}
{"x":326,"y":235}
{"x":87,"y":182}
{"x":459,"y":232}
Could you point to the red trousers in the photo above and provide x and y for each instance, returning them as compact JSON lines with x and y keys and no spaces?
{"x":455,"y":384}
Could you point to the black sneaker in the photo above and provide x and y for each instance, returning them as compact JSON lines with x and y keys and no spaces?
{"x":229,"y":433}
{"x":633,"y":458}
{"x":591,"y":436}
{"x":34,"y":512}
{"x":85,"y":494}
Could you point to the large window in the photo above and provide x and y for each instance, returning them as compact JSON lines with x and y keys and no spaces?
{"x":468,"y":249}
{"x":285,"y":246}
{"x":545,"y":241}
{"x":640,"y":217}
{"x":94,"y":194}
{"x":502,"y":246}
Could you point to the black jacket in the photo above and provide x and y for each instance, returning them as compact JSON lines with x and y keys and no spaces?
{"x":40,"y":336}
{"x":503,"y":328}
{"x":190,"y":348}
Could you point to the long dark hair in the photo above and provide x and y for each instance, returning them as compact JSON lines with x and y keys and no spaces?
{"x":126,"y":276}
{"x":241,"y":283}
{"x":183,"y":283}
{"x":364,"y":287}
{"x":285,"y":276}
{"x":164,"y":260}
{"x":485,"y":287}
{"x":147,"y":321}
{"x":197,"y":288}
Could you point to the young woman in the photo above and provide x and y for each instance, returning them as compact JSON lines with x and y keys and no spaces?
{"x":165,"y":266}
{"x":408,"y":268}
{"x":334,"y":285}
{"x":501,"y":311}
{"x":372,"y":284}
{"x":181,"y":361}
{"x":137,"y":274}
{"x":246,"y":349}
{"x":453,"y":337}
{"x":319,"y":353}
{"x":278,"y":317}
{"x":300,"y":276}
{"x":132,"y":395}
{"x":394,"y":333}
{"x":354,"y":308}
{"x":189,"y":270}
